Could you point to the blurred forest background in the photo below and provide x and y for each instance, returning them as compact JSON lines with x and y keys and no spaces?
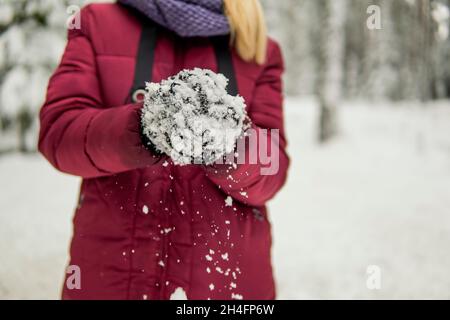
{"x":371,"y":78}
{"x":406,"y":58}
{"x":329,"y":50}
{"x":333,"y":52}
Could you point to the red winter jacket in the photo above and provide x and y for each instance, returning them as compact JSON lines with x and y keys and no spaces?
{"x":143,"y":227}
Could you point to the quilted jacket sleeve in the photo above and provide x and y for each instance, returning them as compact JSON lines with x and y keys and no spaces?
{"x":255,"y":182}
{"x":78,"y":134}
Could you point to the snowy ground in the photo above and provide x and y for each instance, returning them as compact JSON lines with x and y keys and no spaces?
{"x":377,"y":195}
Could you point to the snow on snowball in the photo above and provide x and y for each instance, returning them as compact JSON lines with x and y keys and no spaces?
{"x":192,"y":118}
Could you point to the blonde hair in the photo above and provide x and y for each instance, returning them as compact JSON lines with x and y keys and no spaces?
{"x":248,"y":29}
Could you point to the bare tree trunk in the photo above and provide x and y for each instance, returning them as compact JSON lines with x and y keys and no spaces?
{"x":24,"y":121}
{"x":331,"y":15}
{"x":427,"y":46}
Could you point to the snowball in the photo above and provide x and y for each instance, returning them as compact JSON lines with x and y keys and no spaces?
{"x":192,"y":118}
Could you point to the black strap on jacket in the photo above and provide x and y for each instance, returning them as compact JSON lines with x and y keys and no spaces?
{"x":144,"y":61}
{"x":145,"y":58}
{"x":225,"y":62}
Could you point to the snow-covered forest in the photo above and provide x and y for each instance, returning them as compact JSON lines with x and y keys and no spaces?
{"x":368,"y":126}
{"x":402,"y":57}
{"x":373,"y":50}
{"x":32,"y":37}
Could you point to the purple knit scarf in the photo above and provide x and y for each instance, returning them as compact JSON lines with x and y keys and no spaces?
{"x":187,"y":18}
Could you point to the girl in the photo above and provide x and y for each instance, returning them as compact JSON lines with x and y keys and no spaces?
{"x":145,"y":228}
